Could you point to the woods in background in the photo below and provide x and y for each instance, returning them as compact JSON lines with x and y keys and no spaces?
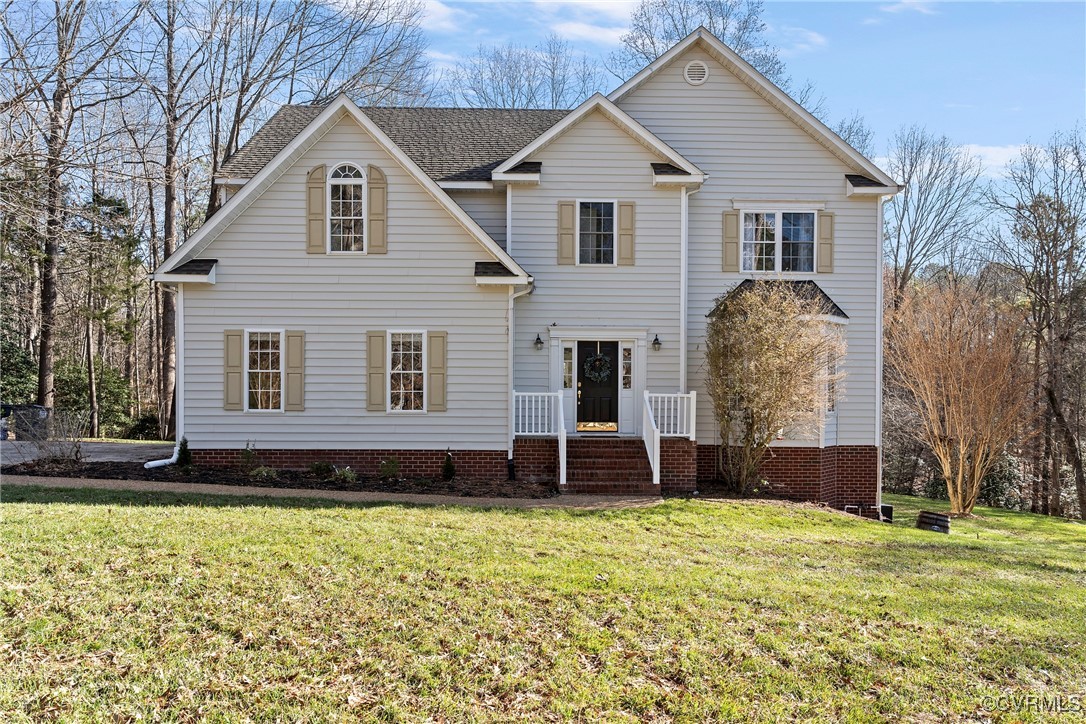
{"x":1018,"y":245}
{"x":118,"y":117}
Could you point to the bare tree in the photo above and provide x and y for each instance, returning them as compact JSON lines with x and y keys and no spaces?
{"x":770,"y":368}
{"x":958,"y":356}
{"x":1043,"y":243}
{"x":855,"y":132}
{"x":550,"y":75}
{"x":657,"y":25}
{"x":60,"y":60}
{"x":938,"y":207}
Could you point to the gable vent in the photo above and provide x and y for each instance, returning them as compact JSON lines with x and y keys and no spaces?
{"x":696,"y":72}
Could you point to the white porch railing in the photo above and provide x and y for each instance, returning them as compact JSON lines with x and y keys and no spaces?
{"x":666,"y":416}
{"x":542,"y":413}
{"x":675,"y":415}
{"x":650,"y":433}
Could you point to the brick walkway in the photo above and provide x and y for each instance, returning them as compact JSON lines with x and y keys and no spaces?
{"x":577,"y":502}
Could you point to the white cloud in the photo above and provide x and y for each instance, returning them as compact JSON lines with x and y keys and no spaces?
{"x":575,"y":30}
{"x":437,"y":17}
{"x":614,"y":10}
{"x":796,"y":41}
{"x":871,"y":21}
{"x":994,"y":159}
{"x":443,"y":61}
{"x":925,"y":7}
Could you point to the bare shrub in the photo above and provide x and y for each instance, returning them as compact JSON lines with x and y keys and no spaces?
{"x":59,"y":439}
{"x":958,"y":357}
{"x":771,"y":364}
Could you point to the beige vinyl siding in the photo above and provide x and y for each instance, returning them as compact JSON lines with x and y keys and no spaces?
{"x":265,"y":279}
{"x":750,"y":150}
{"x":595,"y":160}
{"x":486,"y":208}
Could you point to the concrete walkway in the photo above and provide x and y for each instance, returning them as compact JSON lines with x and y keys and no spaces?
{"x":573,"y":502}
{"x":13,"y":452}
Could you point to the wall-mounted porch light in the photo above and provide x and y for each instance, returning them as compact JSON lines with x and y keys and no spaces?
{"x":656,"y":343}
{"x":538,"y":343}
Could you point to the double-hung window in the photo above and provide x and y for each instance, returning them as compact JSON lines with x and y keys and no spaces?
{"x":778,"y":241}
{"x":347,"y":209}
{"x":264,"y":371}
{"x":596,"y":232}
{"x":406,"y":372}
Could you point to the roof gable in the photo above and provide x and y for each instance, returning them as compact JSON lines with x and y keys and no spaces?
{"x":765,"y":88}
{"x":622,"y":120}
{"x":304,"y":140}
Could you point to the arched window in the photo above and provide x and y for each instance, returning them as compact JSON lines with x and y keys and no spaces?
{"x":347,"y":209}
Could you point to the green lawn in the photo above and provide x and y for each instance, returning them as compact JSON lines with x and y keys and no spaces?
{"x":185,"y":607}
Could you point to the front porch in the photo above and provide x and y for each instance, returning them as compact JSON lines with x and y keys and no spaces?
{"x":658,"y":453}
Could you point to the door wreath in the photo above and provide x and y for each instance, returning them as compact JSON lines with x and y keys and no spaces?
{"x":598,"y":368}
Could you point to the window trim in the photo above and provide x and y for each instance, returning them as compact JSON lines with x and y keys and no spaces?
{"x":778,"y":243}
{"x":328,"y":183}
{"x":577,"y":232}
{"x":282,"y":370}
{"x":425,"y":371}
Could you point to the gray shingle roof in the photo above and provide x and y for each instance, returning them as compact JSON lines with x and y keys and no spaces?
{"x":449,"y":144}
{"x":199,"y":267}
{"x":668,"y":169}
{"x":803,"y":288}
{"x":857,"y":180}
{"x":492,"y":269}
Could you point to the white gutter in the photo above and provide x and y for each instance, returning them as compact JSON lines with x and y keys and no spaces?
{"x":179,"y":385}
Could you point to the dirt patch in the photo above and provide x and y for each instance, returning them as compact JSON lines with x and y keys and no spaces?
{"x":305,"y":479}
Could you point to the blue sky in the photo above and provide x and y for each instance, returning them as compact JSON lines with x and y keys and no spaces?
{"x":992,"y":75}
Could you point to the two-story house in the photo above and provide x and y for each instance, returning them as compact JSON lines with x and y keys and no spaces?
{"x":526,"y":289}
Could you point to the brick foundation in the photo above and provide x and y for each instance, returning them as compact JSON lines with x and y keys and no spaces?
{"x":837,"y":476}
{"x":678,"y":465}
{"x":536,"y":459}
{"x":490,"y":464}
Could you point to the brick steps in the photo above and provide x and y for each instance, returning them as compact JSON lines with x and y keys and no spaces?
{"x":608,"y":466}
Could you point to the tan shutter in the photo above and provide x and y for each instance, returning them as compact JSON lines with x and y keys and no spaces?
{"x":376,"y":381}
{"x":437,"y":370}
{"x":626,"y":221}
{"x":376,"y":211}
{"x":825,"y":242}
{"x":731,"y":241}
{"x":233,"y":365}
{"x":567,"y":239}
{"x":316,"y":223}
{"x":295,"y":384}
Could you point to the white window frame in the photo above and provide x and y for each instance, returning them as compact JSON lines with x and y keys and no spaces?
{"x":282,"y":370}
{"x":614,"y":231}
{"x":778,"y":243}
{"x":329,"y":182}
{"x":425,"y":372}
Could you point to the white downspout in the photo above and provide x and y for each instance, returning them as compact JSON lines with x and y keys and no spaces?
{"x":878,"y":350}
{"x":179,"y":385}
{"x":513,"y":295}
{"x":684,"y":281}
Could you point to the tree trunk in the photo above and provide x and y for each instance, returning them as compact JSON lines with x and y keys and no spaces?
{"x":168,"y":375}
{"x":54,"y":202}
{"x":1074,"y":453}
{"x":92,"y":387}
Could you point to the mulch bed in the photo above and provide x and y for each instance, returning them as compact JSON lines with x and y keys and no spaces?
{"x":285,"y":479}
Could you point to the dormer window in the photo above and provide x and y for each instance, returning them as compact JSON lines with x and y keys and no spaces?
{"x":346,"y":209}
